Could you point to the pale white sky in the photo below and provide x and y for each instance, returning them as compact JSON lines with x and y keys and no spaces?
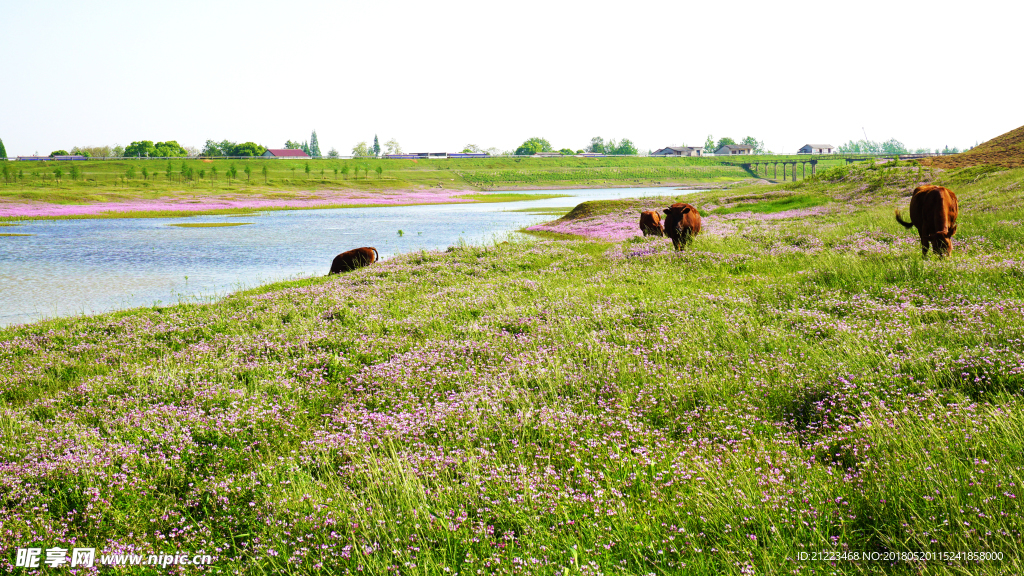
{"x":439,"y":75}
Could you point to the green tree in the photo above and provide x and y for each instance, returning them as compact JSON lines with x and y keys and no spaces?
{"x":314,"y":146}
{"x":58,"y":153}
{"x":335,"y":172}
{"x":725,"y":142}
{"x":333,"y":154}
{"x":709,"y":145}
{"x":361,"y":150}
{"x":140,"y":149}
{"x":130,"y":173}
{"x":893,"y":146}
{"x":393,"y":147}
{"x":169,"y":149}
{"x":757,"y":145}
{"x":379,"y":170}
{"x":234,"y":171}
{"x":145,"y":173}
{"x":6,"y":170}
{"x":344,"y":171}
{"x":596,"y":145}
{"x":566,"y":152}
{"x":170,"y":169}
{"x":533,"y":146}
{"x":202,"y":173}
{"x":213,"y":173}
{"x":289,"y":145}
{"x":305,"y":148}
{"x":73,"y":171}
{"x":3,"y":151}
{"x":211,"y":149}
{"x":265,"y":176}
{"x":626,"y":148}
{"x":58,"y":174}
{"x":117,"y":151}
{"x":248,"y":173}
{"x":376,"y":146}
{"x":307,"y":170}
{"x":248,"y":149}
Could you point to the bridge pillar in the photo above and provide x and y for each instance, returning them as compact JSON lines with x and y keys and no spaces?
{"x":814,"y":164}
{"x":803,"y":170}
{"x":775,"y":175}
{"x":794,"y":171}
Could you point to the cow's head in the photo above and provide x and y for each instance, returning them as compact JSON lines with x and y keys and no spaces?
{"x":941,"y":242}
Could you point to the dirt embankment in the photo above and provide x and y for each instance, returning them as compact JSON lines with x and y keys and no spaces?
{"x":1005,"y":150}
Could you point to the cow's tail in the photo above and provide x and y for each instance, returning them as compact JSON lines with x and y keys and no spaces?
{"x":907,"y":225}
{"x":376,"y":256}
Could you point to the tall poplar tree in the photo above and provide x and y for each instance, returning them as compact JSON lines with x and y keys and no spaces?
{"x":3,"y":151}
{"x":376,"y":146}
{"x":314,"y":146}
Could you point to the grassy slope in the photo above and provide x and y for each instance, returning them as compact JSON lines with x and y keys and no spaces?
{"x":793,"y":385}
{"x":1006,"y":150}
{"x":102,"y":181}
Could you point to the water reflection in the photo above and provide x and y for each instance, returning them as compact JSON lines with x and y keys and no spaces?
{"x":89,"y":266}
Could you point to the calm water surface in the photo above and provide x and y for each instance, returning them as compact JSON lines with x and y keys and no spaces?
{"x":88,"y":266}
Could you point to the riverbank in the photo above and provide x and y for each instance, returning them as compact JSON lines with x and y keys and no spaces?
{"x":201,"y":205}
{"x":797,"y":386}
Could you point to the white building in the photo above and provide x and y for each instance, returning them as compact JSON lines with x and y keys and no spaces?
{"x":679,"y":151}
{"x":815,"y":149}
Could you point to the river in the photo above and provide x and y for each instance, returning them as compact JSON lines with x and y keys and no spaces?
{"x":69,"y":267}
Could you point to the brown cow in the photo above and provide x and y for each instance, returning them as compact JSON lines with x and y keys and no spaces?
{"x":933,"y":209}
{"x":682,"y":223}
{"x":650,"y":223}
{"x":355,"y":258}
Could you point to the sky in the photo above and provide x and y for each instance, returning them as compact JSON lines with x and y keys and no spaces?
{"x":437,"y":76}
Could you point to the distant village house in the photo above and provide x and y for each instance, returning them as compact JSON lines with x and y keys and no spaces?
{"x":285,"y":153}
{"x":734,"y":149}
{"x":679,"y":151}
{"x":815,"y":149}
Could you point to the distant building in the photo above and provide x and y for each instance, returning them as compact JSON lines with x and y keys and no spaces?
{"x":815,"y":149}
{"x":285,"y":153}
{"x":734,"y":149}
{"x":590,"y":155}
{"x":547,"y":155}
{"x":679,"y":151}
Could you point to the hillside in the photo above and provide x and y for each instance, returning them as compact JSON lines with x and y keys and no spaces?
{"x":1005,"y":150}
{"x":797,"y":385}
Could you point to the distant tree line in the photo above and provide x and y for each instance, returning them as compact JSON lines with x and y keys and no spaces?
{"x":229,"y":148}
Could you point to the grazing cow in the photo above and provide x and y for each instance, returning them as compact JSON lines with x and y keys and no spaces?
{"x":682,"y":223}
{"x":650,"y":223}
{"x":933,"y":209}
{"x":355,"y":258}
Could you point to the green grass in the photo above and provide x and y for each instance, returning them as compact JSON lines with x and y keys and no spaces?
{"x":768,"y":206}
{"x":784,"y":386}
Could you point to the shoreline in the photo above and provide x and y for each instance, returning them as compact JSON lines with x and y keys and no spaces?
{"x":232,"y":204}
{"x":211,"y":205}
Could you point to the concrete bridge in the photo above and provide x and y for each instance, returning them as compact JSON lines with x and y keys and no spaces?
{"x":756,"y":165}
{"x":773,"y":165}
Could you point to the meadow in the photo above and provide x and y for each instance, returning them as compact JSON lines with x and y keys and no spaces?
{"x":131,"y":179}
{"x":797,"y":388}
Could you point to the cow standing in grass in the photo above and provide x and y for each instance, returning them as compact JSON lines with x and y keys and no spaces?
{"x":682,"y":223}
{"x":650,"y":223}
{"x":933,"y":210}
{"x":352,"y":259}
